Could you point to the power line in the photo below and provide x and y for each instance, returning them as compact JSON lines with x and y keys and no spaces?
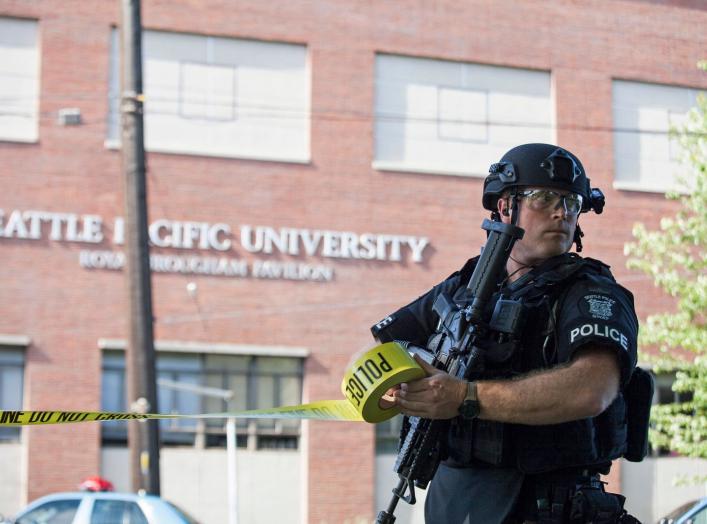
{"x":378,"y":118}
{"x":290,"y":112}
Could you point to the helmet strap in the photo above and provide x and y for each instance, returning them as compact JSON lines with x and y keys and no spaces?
{"x":578,"y":234}
{"x":514,"y":209}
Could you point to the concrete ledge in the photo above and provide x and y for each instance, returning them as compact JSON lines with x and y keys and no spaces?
{"x":15,"y":340}
{"x":206,"y":347}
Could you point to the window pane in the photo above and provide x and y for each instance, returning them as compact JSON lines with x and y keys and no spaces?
{"x":114,"y":359}
{"x":11,"y":387}
{"x":112,"y":394}
{"x":57,"y":512}
{"x":171,"y":399}
{"x":290,"y":390}
{"x":452,"y":117}
{"x":14,"y":357}
{"x":19,"y":79}
{"x":701,"y":517}
{"x":462,"y":114}
{"x":108,"y":512}
{"x":178,"y":362}
{"x":290,"y":394}
{"x":239,"y":385}
{"x":178,"y":369}
{"x":135,"y":515}
{"x":646,"y":157}
{"x":208,"y":91}
{"x":265,"y":398}
{"x":278,"y":365}
{"x":228,"y":362}
{"x":222,"y":96}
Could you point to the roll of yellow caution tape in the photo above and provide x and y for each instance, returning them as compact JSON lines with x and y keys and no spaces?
{"x":363,"y":385}
{"x":371,"y":375}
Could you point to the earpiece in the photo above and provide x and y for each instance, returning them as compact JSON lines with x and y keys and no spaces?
{"x":505,"y":212}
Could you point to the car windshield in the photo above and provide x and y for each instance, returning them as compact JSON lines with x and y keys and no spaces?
{"x":187,"y":518}
{"x":52,"y":512}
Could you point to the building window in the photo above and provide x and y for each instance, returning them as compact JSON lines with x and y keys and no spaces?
{"x":207,"y":91}
{"x":664,"y":394}
{"x":220,"y":96}
{"x":11,"y":387}
{"x":388,"y":435}
{"x":462,"y":114}
{"x":646,"y":157}
{"x":19,"y":80}
{"x":447,"y":117}
{"x":256,"y":382}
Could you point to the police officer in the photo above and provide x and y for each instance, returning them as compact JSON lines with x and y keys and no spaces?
{"x":532,"y":432}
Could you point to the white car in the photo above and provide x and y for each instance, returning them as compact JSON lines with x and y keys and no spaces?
{"x":87,"y":507}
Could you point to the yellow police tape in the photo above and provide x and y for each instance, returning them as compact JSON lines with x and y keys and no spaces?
{"x":364,"y":383}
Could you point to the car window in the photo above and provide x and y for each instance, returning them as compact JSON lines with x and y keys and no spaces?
{"x":55,"y":512}
{"x":680,"y":510}
{"x":700,"y":517}
{"x":116,"y":512}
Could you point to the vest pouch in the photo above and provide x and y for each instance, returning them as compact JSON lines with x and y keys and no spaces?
{"x":475,"y":441}
{"x":459,"y":443}
{"x":638,"y":395}
{"x":488,"y":444}
{"x":596,"y":506}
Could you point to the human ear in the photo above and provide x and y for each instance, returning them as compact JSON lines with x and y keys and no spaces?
{"x":502,"y":205}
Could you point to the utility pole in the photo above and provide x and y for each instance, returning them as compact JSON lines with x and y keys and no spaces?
{"x":143,"y":436}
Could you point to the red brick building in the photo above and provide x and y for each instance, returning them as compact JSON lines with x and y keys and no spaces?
{"x":311,"y":165}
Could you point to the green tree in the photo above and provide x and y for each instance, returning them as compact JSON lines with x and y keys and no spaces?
{"x":675,"y":258}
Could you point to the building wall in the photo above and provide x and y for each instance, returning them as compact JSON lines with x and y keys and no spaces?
{"x":386,"y":480}
{"x":11,"y":485}
{"x":653,"y":489}
{"x":65,"y":309}
{"x":269,"y":483}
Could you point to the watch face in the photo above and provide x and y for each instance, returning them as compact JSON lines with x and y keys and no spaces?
{"x":469,"y":409}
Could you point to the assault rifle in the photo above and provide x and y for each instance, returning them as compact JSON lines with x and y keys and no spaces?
{"x":456,"y":353}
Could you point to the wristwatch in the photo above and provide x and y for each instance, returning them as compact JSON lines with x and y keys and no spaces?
{"x":470,"y":408}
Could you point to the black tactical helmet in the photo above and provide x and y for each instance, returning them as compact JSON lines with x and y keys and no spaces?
{"x":541,"y":165}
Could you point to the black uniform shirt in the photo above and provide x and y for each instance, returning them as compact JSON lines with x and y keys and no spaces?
{"x":591,"y":307}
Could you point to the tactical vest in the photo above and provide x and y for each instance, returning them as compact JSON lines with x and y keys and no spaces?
{"x":590,"y":442}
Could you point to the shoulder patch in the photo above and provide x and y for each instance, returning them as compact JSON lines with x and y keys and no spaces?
{"x":597,"y":306}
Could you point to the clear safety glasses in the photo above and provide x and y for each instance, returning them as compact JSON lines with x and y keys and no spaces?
{"x":539,"y":199}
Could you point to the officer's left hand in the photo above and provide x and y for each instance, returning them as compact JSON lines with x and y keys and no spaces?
{"x":437,"y":396}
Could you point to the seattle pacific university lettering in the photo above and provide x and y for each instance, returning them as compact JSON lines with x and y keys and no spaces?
{"x":188,"y":235}
{"x":331,"y":244}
